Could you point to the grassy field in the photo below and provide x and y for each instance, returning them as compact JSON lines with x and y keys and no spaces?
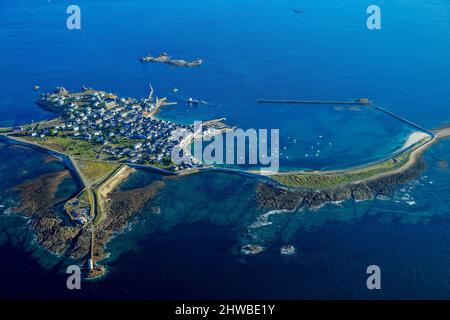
{"x":324,"y":181}
{"x":95,"y":171}
{"x":88,"y":150}
{"x":100,"y":213}
{"x":74,"y":147}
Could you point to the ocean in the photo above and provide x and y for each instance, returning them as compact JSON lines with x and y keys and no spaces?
{"x":252,"y":49}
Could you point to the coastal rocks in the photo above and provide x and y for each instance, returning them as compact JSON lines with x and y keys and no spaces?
{"x":386,"y":185}
{"x":362,"y":192}
{"x":274,"y":197}
{"x":120,"y":208}
{"x":165,"y":58}
{"x":81,"y":245}
{"x":61,"y":91}
{"x":53,"y":235}
{"x":37,"y":203}
{"x":156,"y":210}
{"x":96,"y":272}
{"x":264,"y":219}
{"x":131,"y":201}
{"x":288,"y":250}
{"x":443,"y":164}
{"x":67,"y":238}
{"x":37,"y":195}
{"x":251,"y":249}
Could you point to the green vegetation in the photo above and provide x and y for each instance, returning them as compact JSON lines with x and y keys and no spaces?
{"x":73,"y":206}
{"x":71,"y":146}
{"x":324,"y":181}
{"x":83,"y":196}
{"x":100,"y":214}
{"x":95,"y":171}
{"x":125,"y":142}
{"x":165,"y":164}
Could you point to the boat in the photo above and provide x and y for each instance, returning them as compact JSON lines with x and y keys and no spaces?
{"x":192,"y":101}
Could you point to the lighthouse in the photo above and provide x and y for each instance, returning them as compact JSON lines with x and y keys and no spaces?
{"x":91,"y":264}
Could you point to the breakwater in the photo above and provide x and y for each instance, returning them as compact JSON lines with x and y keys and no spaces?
{"x":357,"y":102}
{"x":405,"y":121}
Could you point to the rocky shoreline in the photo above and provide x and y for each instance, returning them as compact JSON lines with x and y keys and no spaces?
{"x":67,"y":238}
{"x":37,"y":201}
{"x":120,"y":208}
{"x":275,"y":197}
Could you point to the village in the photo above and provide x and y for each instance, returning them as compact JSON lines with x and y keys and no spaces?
{"x":125,"y":128}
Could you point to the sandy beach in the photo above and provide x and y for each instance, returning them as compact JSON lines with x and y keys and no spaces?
{"x":115,"y":180}
{"x":413,"y":138}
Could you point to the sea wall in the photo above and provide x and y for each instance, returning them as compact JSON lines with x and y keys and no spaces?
{"x":62,"y":157}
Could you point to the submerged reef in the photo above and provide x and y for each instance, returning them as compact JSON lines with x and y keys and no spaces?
{"x":64,"y":237}
{"x":37,"y":202}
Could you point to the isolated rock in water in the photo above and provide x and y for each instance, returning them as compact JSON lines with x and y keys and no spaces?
{"x":165,"y":58}
{"x":288,"y":250}
{"x":251,"y":249}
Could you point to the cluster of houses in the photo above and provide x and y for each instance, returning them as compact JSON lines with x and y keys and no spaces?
{"x":125,"y":127}
{"x":78,"y":210}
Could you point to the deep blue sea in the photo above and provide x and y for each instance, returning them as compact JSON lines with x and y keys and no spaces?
{"x":252,"y":49}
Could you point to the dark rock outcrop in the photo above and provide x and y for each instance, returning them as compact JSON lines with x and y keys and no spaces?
{"x":272,"y":196}
{"x":37,"y":203}
{"x":37,"y":198}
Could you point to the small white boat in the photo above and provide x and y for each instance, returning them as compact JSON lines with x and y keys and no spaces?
{"x":192,"y":101}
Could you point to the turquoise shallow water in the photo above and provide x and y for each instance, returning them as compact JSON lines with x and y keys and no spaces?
{"x":252,"y":49}
{"x":191,"y":249}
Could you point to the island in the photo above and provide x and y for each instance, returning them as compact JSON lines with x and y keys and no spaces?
{"x":165,"y":58}
{"x":102,"y":139}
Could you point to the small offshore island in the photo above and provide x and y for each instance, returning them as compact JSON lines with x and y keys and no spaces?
{"x":102,"y":139}
{"x":165,"y":58}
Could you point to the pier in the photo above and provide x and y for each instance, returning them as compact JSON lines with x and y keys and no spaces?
{"x":357,"y":102}
{"x":406,"y":121}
